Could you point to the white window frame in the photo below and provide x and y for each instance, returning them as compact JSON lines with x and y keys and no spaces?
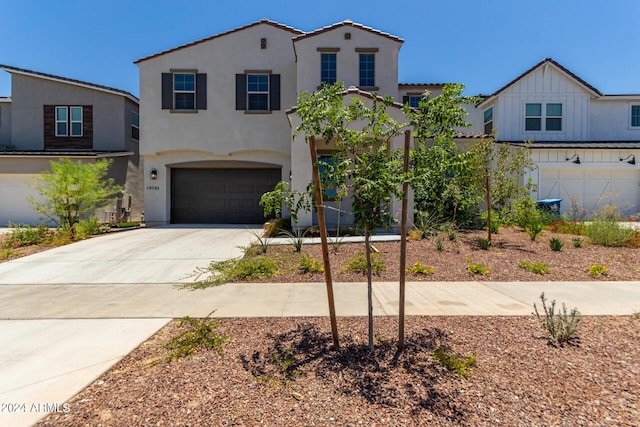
{"x":65,"y":121}
{"x":543,"y":116}
{"x":631,"y":106}
{"x":176,"y":92}
{"x":72,"y":121}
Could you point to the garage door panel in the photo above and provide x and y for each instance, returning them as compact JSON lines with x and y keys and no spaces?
{"x":592,"y":188}
{"x":220,"y":195}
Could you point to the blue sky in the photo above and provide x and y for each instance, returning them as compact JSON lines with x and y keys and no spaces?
{"x":483,"y":44}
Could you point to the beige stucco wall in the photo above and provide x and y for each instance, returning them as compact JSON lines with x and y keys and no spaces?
{"x":347,"y":59}
{"x":5,"y":122}
{"x":220,"y":132}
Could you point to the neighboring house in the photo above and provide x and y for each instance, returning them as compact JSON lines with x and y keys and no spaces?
{"x":48,"y":118}
{"x":586,"y":144}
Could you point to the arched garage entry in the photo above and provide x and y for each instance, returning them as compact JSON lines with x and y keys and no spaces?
{"x":220,"y":192}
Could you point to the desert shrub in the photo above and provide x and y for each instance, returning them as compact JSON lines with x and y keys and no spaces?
{"x":254,"y":268}
{"x":556,"y":244}
{"x":477,"y":268}
{"x":535,"y":267}
{"x":564,"y":227}
{"x":561,"y":326}
{"x":125,"y":225}
{"x":296,"y":238}
{"x":495,"y":221}
{"x":608,"y":232}
{"x":233,"y":270}
{"x":597,"y":270}
{"x":460,"y":365}
{"x":199,"y":333}
{"x":415,"y":234}
{"x":427,"y":223}
{"x":87,"y":228}
{"x":25,"y":235}
{"x":484,"y":243}
{"x":358,"y":263}
{"x":439,"y":242}
{"x":419,"y":269}
{"x":5,"y":253}
{"x":309,"y":264}
{"x":577,"y":242}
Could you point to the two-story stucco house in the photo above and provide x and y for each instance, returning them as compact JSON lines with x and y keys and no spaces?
{"x":50,"y":117}
{"x":586,"y":144}
{"x":216,"y":132}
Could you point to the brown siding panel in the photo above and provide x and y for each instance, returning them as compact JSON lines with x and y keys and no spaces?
{"x":53,"y":142}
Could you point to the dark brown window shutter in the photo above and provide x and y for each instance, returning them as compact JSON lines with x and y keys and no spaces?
{"x":241,"y":92}
{"x":405,"y":99}
{"x":274,"y":91}
{"x":167,"y":91}
{"x":201,"y":91}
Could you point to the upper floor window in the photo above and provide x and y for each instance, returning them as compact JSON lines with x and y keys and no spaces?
{"x":367,"y":70}
{"x":328,"y":66}
{"x":68,"y":121}
{"x":135,"y":125}
{"x":258,"y":92}
{"x":184,"y":91}
{"x":488,"y":121}
{"x":552,"y":117}
{"x":414,"y":100}
{"x":635,"y":116}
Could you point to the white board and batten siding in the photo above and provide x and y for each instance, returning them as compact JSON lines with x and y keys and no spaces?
{"x":600,"y":179}
{"x":544,"y":85}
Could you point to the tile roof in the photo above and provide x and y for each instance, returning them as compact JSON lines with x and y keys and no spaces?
{"x":12,"y":152}
{"x":421,"y":84}
{"x":539,"y":64}
{"x":215,"y":36}
{"x":38,"y":74}
{"x":349,"y":23}
{"x":352,"y":90}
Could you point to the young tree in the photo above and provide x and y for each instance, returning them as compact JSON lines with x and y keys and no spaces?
{"x":364,"y":161}
{"x":443,"y":174}
{"x":71,"y":190}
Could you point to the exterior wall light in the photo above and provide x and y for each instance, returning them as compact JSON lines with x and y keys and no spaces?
{"x":154,"y":174}
{"x":576,"y":157}
{"x":631,"y":159}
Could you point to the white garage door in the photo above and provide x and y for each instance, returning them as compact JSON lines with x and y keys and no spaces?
{"x":14,"y":207}
{"x":592,"y":188}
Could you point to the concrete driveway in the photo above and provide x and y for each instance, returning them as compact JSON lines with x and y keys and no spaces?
{"x":167,"y":254}
{"x":62,"y":324}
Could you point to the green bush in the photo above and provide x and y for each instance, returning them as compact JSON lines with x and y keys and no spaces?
{"x":358,"y":264}
{"x":608,"y":232}
{"x":200,"y":333}
{"x":484,"y":243}
{"x":309,"y":264}
{"x":87,"y":228}
{"x":24,"y":235}
{"x":535,"y":267}
{"x":478,"y":268}
{"x":254,"y":268}
{"x":460,"y":365}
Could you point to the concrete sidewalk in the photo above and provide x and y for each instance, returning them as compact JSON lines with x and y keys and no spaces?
{"x":101,"y":323}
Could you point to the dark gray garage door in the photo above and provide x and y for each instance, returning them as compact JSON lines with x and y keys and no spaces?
{"x":220,"y":196}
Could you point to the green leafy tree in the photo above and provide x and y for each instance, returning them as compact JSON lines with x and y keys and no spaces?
{"x":294,"y":201}
{"x":72,"y":190}
{"x":444,"y":176}
{"x":364,"y":163}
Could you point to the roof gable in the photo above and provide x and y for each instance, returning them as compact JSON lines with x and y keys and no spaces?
{"x":347,"y":23}
{"x":547,"y":62}
{"x":215,"y":36}
{"x":80,"y":83}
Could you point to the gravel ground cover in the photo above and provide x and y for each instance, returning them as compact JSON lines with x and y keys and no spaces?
{"x":284,"y":372}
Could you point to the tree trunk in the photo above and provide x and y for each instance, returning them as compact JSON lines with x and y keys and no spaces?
{"x":367,"y":249}
{"x":403,"y":242}
{"x":323,"y":239}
